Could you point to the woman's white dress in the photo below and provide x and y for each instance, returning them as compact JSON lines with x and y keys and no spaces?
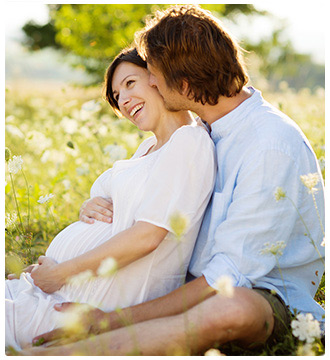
{"x":177,"y":178}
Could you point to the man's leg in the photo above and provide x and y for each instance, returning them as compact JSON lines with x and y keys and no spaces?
{"x":247,"y":317}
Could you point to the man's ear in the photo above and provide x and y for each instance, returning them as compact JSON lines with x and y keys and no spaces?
{"x":185,"y":87}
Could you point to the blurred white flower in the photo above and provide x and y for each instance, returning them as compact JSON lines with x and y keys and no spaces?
{"x":115,"y":152}
{"x":70,"y":126}
{"x":306,"y":328}
{"x":224,"y":286}
{"x":82,"y":170}
{"x":14,"y":130}
{"x":310,"y":181}
{"x":10,"y":220}
{"x":323,"y":242}
{"x":67,"y":184}
{"x":80,"y":278}
{"x":38,"y":141}
{"x":45,"y":199}
{"x":108,"y":267}
{"x":15,"y":164}
{"x":273,"y":249}
{"x":279,"y":194}
{"x":179,"y":224}
{"x":72,"y":319}
{"x":92,"y":106}
{"x":305,"y":350}
{"x":213,"y":352}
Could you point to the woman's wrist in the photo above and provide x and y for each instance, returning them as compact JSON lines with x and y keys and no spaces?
{"x":63,"y":273}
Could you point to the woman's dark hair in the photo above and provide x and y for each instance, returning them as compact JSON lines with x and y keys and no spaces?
{"x":187,"y":43}
{"x":129,"y":55}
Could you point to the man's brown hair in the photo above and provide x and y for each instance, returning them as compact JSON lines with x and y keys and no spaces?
{"x":189,"y":44}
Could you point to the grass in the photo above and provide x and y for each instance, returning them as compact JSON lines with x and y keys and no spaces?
{"x":64,"y":137}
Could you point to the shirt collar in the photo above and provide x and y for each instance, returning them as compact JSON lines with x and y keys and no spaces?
{"x":223,"y":126}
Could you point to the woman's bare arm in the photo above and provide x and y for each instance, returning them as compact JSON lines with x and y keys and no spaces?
{"x":125,"y":247}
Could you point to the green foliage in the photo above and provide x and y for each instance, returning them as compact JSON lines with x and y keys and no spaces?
{"x":94,"y":34}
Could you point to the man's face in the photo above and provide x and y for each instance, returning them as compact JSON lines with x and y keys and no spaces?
{"x":174,"y":101}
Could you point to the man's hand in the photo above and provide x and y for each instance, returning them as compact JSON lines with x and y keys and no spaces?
{"x":92,"y":321}
{"x":26,"y":270}
{"x":47,"y":276}
{"x":96,"y":208}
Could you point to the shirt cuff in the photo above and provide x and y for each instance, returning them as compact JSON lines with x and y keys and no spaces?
{"x":220,"y":265}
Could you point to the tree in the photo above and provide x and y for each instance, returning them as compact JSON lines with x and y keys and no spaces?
{"x":92,"y":35}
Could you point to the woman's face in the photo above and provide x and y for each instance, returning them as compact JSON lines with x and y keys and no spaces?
{"x":137,"y":101}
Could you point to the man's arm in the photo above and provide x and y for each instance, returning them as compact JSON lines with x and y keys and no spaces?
{"x":173,"y":303}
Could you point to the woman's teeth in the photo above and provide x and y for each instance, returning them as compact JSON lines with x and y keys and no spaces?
{"x":135,"y":109}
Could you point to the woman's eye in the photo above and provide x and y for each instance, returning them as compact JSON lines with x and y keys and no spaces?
{"x":129,"y":82}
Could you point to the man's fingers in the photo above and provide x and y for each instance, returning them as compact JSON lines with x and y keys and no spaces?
{"x":65,"y":306}
{"x":49,"y":336}
{"x":12,"y":276}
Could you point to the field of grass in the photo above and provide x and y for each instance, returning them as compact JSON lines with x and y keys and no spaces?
{"x":67,"y":137}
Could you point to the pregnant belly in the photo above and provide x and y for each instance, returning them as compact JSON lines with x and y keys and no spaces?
{"x":78,"y":238}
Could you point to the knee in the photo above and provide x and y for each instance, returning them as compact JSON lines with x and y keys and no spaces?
{"x":240,"y":317}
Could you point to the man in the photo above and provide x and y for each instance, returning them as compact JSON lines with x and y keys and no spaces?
{"x":254,"y":230}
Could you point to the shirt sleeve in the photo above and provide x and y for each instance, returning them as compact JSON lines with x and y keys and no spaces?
{"x":252,"y":218}
{"x":181,"y":180}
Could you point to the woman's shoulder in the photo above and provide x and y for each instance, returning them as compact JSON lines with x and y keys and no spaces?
{"x":195,"y":132}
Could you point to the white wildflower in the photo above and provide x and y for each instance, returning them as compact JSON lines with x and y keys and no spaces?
{"x":273,"y":249}
{"x":310,"y":181}
{"x":213,"y":352}
{"x":80,"y":278}
{"x":10,"y":220}
{"x":306,"y":328}
{"x":305,"y":350}
{"x":15,"y":164}
{"x":67,"y":184}
{"x":323,"y":242}
{"x":45,"y":199}
{"x":224,"y":286}
{"x":70,"y":126}
{"x":82,"y":170}
{"x":14,"y":130}
{"x":92,"y":106}
{"x":115,"y":152}
{"x":38,"y":141}
{"x":179,"y":224}
{"x":72,"y":319}
{"x":107,"y":268}
{"x":279,"y":194}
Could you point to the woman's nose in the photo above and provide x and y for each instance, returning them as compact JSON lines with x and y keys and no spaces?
{"x":123,"y":100}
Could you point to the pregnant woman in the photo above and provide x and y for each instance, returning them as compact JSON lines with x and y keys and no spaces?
{"x":172,"y":172}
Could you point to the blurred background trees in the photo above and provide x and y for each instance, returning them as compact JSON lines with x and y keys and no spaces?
{"x":91,"y":35}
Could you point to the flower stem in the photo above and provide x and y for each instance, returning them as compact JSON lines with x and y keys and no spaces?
{"x":308,"y":233}
{"x":318,"y":214}
{"x":28,"y":196}
{"x":17,"y":207}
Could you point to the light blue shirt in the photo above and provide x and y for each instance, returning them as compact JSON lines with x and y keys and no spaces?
{"x":259,"y":149}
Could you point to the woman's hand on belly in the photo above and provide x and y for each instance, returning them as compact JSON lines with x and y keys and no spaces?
{"x":96,"y":208}
{"x":48,"y":275}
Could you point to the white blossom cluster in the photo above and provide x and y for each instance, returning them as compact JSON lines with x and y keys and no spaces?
{"x":306,"y":328}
